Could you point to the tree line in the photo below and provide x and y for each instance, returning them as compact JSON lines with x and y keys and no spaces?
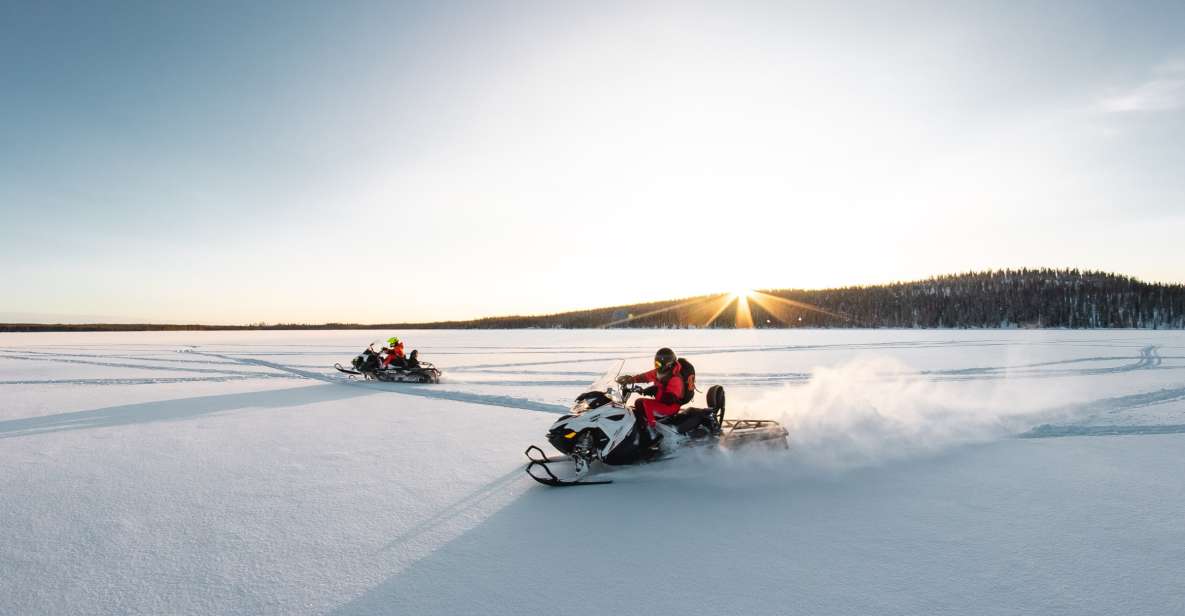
{"x":1007,"y":298}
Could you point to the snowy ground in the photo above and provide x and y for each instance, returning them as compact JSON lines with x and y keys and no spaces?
{"x":956,"y":472}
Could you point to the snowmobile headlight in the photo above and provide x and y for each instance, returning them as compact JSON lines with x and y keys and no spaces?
{"x":570,"y":434}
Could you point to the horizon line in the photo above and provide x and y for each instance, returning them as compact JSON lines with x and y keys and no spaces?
{"x":258,"y":325}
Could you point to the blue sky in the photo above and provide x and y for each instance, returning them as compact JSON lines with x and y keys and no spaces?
{"x":241,"y":162}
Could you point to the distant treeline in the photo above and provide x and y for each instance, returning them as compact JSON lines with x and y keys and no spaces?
{"x":996,"y":299}
{"x":1001,"y":299}
{"x":1063,"y":298}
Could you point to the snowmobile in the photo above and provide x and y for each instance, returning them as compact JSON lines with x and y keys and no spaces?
{"x":370,"y":367}
{"x":601,"y":428}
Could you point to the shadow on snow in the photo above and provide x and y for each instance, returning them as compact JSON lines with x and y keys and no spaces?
{"x":176,"y":410}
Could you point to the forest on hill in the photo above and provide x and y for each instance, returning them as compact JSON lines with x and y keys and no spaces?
{"x":1066,"y":298}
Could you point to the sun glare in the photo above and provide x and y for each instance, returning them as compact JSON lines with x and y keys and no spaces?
{"x":704,"y":311}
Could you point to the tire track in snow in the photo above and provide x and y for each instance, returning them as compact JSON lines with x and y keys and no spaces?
{"x":537,"y":383}
{"x":1051,"y":431}
{"x":179,"y":409}
{"x":512,"y":402}
{"x":558,"y":362}
{"x":1147,"y":359}
{"x":728,"y":350}
{"x":407,"y":389}
{"x":145,"y":381}
{"x":74,"y":360}
{"x":172,"y":360}
{"x":1110,"y":407}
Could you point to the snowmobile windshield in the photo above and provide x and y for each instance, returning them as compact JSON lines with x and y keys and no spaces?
{"x":609,"y":379}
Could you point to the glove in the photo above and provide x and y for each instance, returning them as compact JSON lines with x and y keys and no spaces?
{"x":625,"y":379}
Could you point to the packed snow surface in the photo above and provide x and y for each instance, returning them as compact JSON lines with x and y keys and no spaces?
{"x":930,"y":472}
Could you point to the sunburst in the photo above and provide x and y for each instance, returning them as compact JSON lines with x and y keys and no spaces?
{"x":704,"y":311}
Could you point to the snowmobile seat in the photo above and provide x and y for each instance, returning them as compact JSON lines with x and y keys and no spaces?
{"x":686,"y":420}
{"x":411,"y":362}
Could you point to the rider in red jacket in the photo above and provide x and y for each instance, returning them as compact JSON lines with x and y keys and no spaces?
{"x":394,"y":353}
{"x":668,"y":389}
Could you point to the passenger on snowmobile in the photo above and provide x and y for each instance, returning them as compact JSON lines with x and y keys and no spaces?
{"x":669,"y":391}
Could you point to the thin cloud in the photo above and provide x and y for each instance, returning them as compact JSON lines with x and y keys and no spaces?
{"x":1164,"y":92}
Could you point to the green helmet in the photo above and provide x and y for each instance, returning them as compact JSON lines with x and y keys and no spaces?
{"x":392,"y":341}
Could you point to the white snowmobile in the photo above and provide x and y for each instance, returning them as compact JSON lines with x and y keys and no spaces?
{"x":601,"y":428}
{"x":368,"y":365}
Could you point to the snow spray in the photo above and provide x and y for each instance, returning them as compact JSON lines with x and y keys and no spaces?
{"x":876,"y":409}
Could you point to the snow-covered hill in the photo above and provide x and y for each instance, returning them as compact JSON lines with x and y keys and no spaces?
{"x":930,"y":472}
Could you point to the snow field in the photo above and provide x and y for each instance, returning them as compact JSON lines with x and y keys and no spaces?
{"x":237,"y":472}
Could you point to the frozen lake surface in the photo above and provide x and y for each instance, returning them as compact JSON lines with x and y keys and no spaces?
{"x":954,"y":472}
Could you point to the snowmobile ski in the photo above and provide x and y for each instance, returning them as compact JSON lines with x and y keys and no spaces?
{"x":346,"y":370}
{"x":541,"y":462}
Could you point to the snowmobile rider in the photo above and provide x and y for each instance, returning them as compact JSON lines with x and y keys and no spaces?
{"x":394,"y":354}
{"x":668,"y":389}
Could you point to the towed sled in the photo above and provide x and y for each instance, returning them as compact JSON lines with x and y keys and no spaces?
{"x":600,"y":428}
{"x":368,"y":366}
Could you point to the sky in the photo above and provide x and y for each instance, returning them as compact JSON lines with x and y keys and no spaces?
{"x":239,"y":162}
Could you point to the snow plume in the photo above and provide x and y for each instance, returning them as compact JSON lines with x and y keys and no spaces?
{"x":872,"y":410}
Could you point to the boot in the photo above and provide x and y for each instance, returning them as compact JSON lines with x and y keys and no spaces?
{"x":655,"y":444}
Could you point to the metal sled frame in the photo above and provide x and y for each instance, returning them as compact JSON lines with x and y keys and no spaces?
{"x":740,"y":430}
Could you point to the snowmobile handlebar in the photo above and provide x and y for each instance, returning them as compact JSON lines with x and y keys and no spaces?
{"x":629,"y":390}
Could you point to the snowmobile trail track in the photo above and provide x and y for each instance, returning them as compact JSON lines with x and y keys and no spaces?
{"x":407,"y":389}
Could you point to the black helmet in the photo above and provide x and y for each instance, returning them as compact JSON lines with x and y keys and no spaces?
{"x":664,"y":362}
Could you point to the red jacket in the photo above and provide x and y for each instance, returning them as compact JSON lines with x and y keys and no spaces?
{"x":393,"y":354}
{"x":669,"y":391}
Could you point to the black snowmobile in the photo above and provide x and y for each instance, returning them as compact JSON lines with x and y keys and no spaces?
{"x":369,"y":365}
{"x":601,"y":428}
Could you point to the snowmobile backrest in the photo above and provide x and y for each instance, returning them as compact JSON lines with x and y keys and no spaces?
{"x":687,"y":371}
{"x":716,"y":398}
